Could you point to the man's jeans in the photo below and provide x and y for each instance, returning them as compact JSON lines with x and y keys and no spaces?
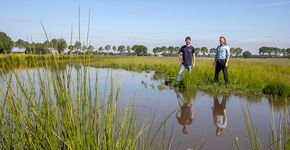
{"x":181,"y":70}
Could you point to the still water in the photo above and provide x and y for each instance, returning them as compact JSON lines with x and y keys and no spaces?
{"x":196,"y":118}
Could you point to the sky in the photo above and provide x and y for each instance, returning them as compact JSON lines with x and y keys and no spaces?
{"x":245,"y":23}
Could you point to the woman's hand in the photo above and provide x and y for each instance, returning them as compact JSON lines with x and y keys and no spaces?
{"x":226,"y":64}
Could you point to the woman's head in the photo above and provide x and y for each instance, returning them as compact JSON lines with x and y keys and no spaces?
{"x":185,"y":129}
{"x":223,"y":40}
{"x":219,"y":131}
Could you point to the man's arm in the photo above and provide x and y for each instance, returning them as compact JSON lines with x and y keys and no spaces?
{"x":193,"y":60}
{"x":178,"y":56}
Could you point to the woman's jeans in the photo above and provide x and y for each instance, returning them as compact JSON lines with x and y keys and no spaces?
{"x":181,"y":70}
{"x":221,"y":65}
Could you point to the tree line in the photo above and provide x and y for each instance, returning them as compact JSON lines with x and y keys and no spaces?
{"x":59,"y":45}
{"x":203,"y":51}
{"x":274,"y":51}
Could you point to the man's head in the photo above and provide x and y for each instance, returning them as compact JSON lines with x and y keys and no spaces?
{"x":223,"y":40}
{"x":188,"y":40}
{"x":219,"y":131}
{"x":185,"y":129}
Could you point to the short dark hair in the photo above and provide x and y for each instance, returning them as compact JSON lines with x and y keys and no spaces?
{"x":188,"y":38}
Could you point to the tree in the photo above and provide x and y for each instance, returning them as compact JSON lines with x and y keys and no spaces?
{"x":204,"y":50}
{"x":163,"y":49}
{"x":156,"y":50}
{"x":288,"y":51}
{"x":197,"y":50}
{"x":36,"y":48}
{"x":121,"y":49}
{"x":5,"y":43}
{"x":78,"y":45}
{"x":276,"y":51}
{"x":101,"y":49}
{"x":107,"y":48}
{"x":20,"y":44}
{"x":54,"y":43}
{"x":238,"y":52}
{"x":232,"y":51}
{"x":61,"y":45}
{"x":176,"y":49}
{"x":212,"y":51}
{"x":262,"y":50}
{"x":91,"y":48}
{"x":170,"y":50}
{"x":247,"y":54}
{"x":139,"y":50}
{"x":128,"y":49}
{"x":283,"y":52}
{"x":70,"y":47}
{"x":114,"y":48}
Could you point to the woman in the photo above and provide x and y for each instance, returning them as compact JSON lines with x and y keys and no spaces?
{"x":222,"y":58}
{"x":219,"y":112}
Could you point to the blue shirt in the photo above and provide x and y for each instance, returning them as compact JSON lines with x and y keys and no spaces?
{"x":187,"y":54}
{"x":222,"y":52}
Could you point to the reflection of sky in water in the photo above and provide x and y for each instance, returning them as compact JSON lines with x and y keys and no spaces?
{"x":150,"y":100}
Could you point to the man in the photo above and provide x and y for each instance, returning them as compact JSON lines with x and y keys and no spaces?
{"x":188,"y":57}
{"x":186,"y":112}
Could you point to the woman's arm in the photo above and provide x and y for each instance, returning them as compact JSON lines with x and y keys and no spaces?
{"x":215,"y":58}
{"x":178,"y":114}
{"x":178,"y":55}
{"x":192,"y":113}
{"x":225,"y":116}
{"x":228,"y":56}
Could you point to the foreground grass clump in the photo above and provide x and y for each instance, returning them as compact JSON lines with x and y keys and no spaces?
{"x":60,"y":110}
{"x":247,"y":76}
{"x":279,"y":138}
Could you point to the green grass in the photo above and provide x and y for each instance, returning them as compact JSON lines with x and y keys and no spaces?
{"x":247,"y":76}
{"x":279,"y":138}
{"x":59,"y":112}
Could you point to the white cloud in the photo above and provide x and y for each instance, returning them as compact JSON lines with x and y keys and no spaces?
{"x":275,"y":4}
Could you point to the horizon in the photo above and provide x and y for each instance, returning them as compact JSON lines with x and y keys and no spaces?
{"x":249,"y":25}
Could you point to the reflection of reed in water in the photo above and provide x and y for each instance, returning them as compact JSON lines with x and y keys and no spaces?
{"x":186,"y":112}
{"x":219,"y":114}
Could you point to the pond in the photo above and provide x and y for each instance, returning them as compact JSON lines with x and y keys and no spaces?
{"x":195,"y":118}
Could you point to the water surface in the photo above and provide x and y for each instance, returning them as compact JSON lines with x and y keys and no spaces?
{"x":191,"y":114}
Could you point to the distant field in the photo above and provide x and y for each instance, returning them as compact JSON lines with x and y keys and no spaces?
{"x":247,"y":76}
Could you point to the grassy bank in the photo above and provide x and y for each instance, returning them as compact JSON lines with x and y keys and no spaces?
{"x":247,"y":76}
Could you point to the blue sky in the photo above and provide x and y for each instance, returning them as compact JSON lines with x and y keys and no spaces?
{"x":247,"y":24}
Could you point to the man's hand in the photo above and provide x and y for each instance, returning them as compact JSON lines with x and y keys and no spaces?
{"x":193,"y":65}
{"x":226,"y":64}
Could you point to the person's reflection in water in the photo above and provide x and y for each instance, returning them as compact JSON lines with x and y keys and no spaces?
{"x":186,"y":112}
{"x":219,"y":114}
